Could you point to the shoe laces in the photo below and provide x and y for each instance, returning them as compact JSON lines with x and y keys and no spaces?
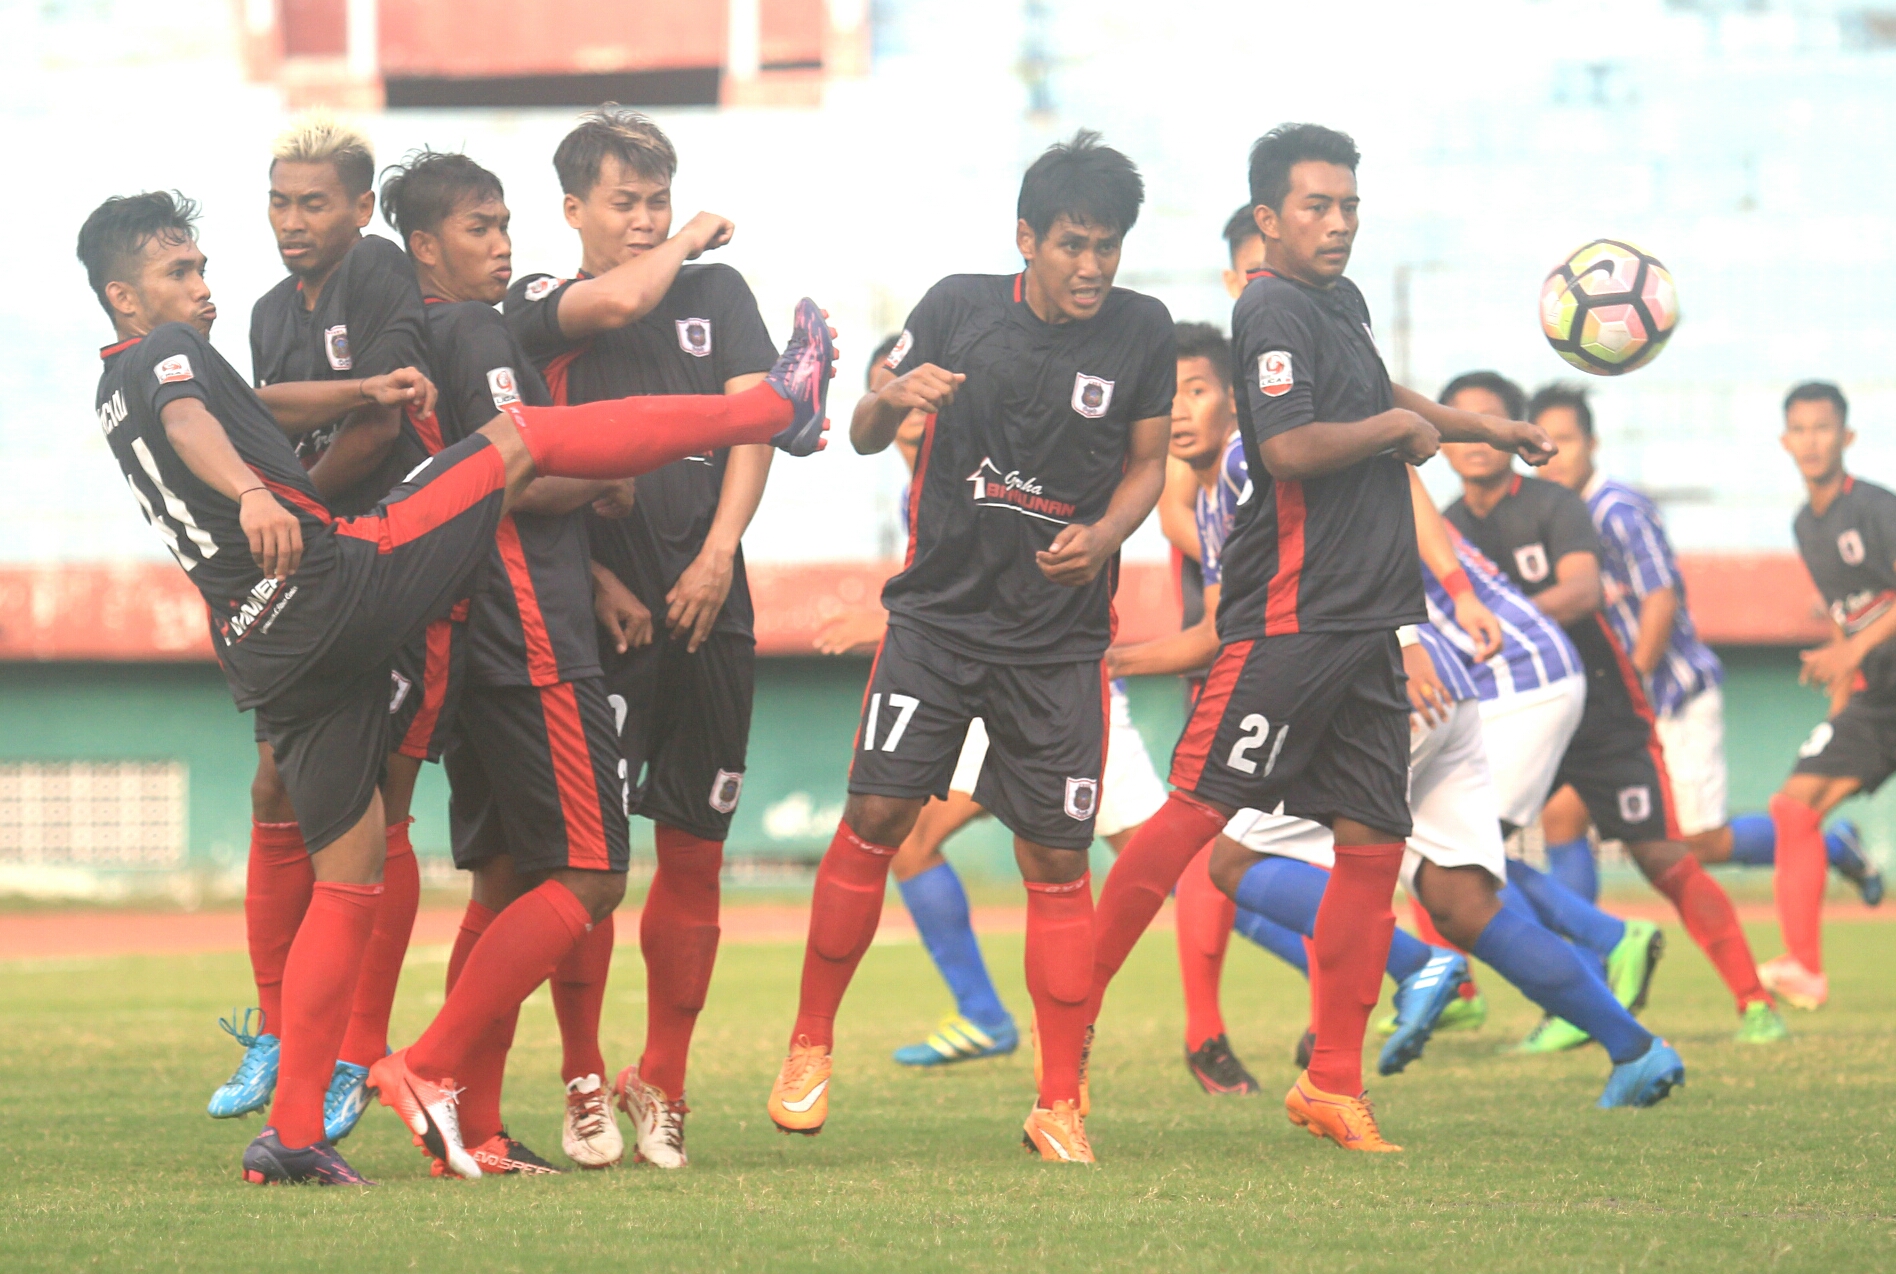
{"x":242,"y":1032}
{"x":804,"y":1060}
{"x":589,"y":1112}
{"x":670,"y":1122}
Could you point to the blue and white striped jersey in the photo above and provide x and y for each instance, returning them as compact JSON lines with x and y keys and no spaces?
{"x":1534,"y":652}
{"x":1449,"y":664}
{"x":1216,"y":510}
{"x":1636,"y":559}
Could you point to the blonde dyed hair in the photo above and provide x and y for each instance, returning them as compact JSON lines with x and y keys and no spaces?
{"x":320,"y":137}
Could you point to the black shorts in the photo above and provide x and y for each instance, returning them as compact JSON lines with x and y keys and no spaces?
{"x":1316,"y":721}
{"x":535,"y":775}
{"x":686,"y":728}
{"x":426,"y":680}
{"x":1046,"y":727}
{"x":1615,"y":762}
{"x":1858,"y":743}
{"x":330,"y":728}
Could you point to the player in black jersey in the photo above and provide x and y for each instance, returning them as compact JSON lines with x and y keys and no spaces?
{"x":306,"y":611}
{"x":1050,"y":393}
{"x":1305,"y":704}
{"x":640,"y":318}
{"x":1541,"y":534}
{"x":1846,"y":534}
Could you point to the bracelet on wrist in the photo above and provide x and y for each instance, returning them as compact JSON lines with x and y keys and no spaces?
{"x":247,"y":490}
{"x":1456,"y":582}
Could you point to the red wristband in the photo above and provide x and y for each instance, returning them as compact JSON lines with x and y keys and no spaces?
{"x":1456,"y":582}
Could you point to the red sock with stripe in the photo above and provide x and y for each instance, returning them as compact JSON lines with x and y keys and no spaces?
{"x":579,"y":995}
{"x":1798,"y":880}
{"x":367,"y":1039}
{"x":277,"y":882}
{"x":844,"y":911}
{"x":486,"y":1064}
{"x":1709,"y":917}
{"x":1059,"y":979}
{"x":1141,"y":877}
{"x":1349,"y":946}
{"x":679,"y":935}
{"x":319,"y":981}
{"x":624,"y":437}
{"x":1204,"y":918}
{"x":519,"y":951}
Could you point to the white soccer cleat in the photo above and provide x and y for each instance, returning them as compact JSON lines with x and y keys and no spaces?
{"x":658,"y":1125}
{"x":589,"y":1134}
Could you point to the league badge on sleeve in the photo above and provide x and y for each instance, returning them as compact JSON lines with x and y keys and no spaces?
{"x":503,"y":386}
{"x":900,"y":350}
{"x":1274,"y":377}
{"x":1082,"y":798}
{"x":694,"y":337}
{"x":1849,"y":544}
{"x":178,"y":367}
{"x":336,"y":346}
{"x":540,"y":287}
{"x":1531,"y":561}
{"x":1091,"y":395}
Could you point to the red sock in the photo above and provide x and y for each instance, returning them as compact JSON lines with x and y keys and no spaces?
{"x":1059,"y":978}
{"x":850,"y":885}
{"x":486,"y":1063}
{"x":579,"y":993}
{"x":624,"y":437}
{"x":1350,"y":945}
{"x":367,"y":1039}
{"x":1713,"y":923}
{"x":1204,"y":929}
{"x":276,"y":894}
{"x":519,"y":951}
{"x":319,"y":982}
{"x":1802,"y":870}
{"x":1142,"y":875}
{"x":474,"y":922}
{"x":679,"y":935}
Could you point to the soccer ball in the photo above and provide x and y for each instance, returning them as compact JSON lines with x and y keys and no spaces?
{"x":1609,"y":308}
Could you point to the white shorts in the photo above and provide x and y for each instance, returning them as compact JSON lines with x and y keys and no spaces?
{"x":1130,"y":791}
{"x":1526,"y":736}
{"x":1451,"y":795}
{"x":1693,"y":739}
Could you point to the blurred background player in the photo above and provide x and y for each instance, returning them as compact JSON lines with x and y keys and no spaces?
{"x":636,"y":319}
{"x":1051,"y":393}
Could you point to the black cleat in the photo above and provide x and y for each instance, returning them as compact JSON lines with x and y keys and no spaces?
{"x":802,"y":376}
{"x":501,"y":1155}
{"x":267,"y":1161}
{"x":1305,"y":1047}
{"x":1218,"y":1070}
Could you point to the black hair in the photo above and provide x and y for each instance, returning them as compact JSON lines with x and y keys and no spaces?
{"x":1562,"y":393}
{"x":118,"y":230}
{"x":881,"y":352}
{"x":1241,"y":229}
{"x":1284,"y":147}
{"x":427,"y":187}
{"x":1202,"y":340}
{"x":1820,"y":391}
{"x":1089,"y":182}
{"x":615,"y":130}
{"x":1513,"y":401}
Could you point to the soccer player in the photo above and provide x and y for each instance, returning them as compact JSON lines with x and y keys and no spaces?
{"x":1051,"y":393}
{"x":343,"y":323}
{"x":1846,"y":534}
{"x":1304,"y":704}
{"x":306,"y":611}
{"x":1541,"y":536}
{"x":638,"y":319}
{"x":1645,"y":603}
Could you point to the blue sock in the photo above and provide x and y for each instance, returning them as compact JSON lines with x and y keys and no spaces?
{"x":1571,"y":863}
{"x":1287,"y":945}
{"x":939,"y":906}
{"x":1566,"y":913}
{"x":1552,"y":974}
{"x":1753,"y":840}
{"x":1289,"y":892}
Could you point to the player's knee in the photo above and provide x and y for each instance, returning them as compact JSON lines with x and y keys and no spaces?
{"x":1657,"y":857}
{"x":599,"y":892}
{"x":1229,"y":863}
{"x":881,"y":820}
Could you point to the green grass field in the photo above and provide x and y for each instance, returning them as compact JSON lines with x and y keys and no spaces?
{"x":1778,"y":1159}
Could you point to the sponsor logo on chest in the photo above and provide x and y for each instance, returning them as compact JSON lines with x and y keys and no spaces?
{"x":112,"y":412}
{"x":1092,"y":396}
{"x":503,"y":386}
{"x":1531,"y":561}
{"x":336,"y":347}
{"x":1015,"y":490}
{"x":1850,"y":547}
{"x":694,"y":336}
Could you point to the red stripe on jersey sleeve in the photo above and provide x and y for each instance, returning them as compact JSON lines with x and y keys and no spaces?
{"x":454,"y":491}
{"x":542,"y":668}
{"x":1194,"y":746}
{"x":1280,"y":601}
{"x":574,"y":778}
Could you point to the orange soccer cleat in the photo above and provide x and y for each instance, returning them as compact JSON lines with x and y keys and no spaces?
{"x":1058,"y":1134}
{"x":799,"y":1100}
{"x":1348,"y":1121}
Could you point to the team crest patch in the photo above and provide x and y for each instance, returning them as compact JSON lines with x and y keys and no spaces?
{"x":1082,"y":798}
{"x":1849,"y":544}
{"x":1635,"y":804}
{"x":504,"y":386}
{"x":1531,"y":561}
{"x":694,"y":337}
{"x":178,"y":367}
{"x":540,"y":287}
{"x":1091,"y":395}
{"x":900,"y":350}
{"x":398,"y":688}
{"x":336,"y":346}
{"x":1274,"y":376}
{"x":725,"y":789}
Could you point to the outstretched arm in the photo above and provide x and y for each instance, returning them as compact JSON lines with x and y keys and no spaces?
{"x":1320,"y":447}
{"x":276,"y":537}
{"x":302,"y":405}
{"x":1455,"y":425}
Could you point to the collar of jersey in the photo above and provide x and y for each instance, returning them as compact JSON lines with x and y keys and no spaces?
{"x":1598,"y":480}
{"x":119,"y":348}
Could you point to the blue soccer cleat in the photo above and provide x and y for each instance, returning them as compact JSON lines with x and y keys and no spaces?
{"x":1420,"y":999}
{"x":958,"y":1039}
{"x":347,"y":1098}
{"x":255,"y":1079}
{"x":802,"y":375}
{"x":268,"y":1162}
{"x":1646,"y":1080}
{"x":1852,"y":863}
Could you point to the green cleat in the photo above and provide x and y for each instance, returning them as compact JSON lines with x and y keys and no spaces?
{"x":1553,"y":1035}
{"x":1629,"y":968}
{"x":1463,"y":1014}
{"x":1762,"y":1024}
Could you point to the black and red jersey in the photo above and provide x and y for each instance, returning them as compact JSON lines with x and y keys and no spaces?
{"x":1851,"y":554}
{"x":531,"y":620}
{"x":705,"y":333}
{"x":367,"y":322}
{"x":1035,"y":439}
{"x":1330,"y":554}
{"x":264,"y":631}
